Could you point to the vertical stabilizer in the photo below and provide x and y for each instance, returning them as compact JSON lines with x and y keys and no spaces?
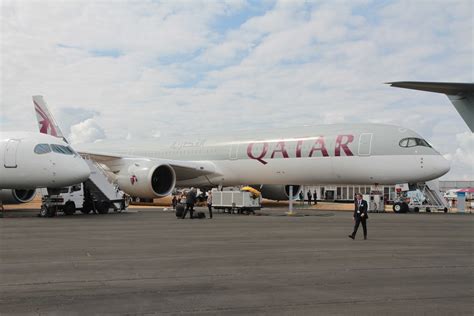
{"x":46,"y":122}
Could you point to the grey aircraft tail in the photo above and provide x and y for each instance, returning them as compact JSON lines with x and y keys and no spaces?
{"x":461,"y":95}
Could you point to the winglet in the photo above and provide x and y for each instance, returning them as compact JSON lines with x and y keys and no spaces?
{"x":461,"y":95}
{"x":46,"y":122}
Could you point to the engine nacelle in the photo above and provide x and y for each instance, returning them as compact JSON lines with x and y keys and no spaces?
{"x":277,"y":192}
{"x":147,"y":180}
{"x":16,"y":196}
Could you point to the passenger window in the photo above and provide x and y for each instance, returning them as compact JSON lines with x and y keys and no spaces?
{"x":76,"y":188}
{"x":42,"y":149}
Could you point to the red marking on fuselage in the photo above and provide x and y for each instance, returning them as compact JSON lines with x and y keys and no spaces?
{"x":280,"y":148}
{"x":262,"y":153}
{"x":319,"y":144}
{"x":340,"y":144}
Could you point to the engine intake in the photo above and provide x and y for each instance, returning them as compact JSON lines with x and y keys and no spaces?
{"x":8,"y":196}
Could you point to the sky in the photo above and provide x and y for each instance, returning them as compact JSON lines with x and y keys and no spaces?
{"x":134,"y":69}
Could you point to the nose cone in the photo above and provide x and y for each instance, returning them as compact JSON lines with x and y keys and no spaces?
{"x":82,"y":171}
{"x":442,"y":166}
{"x":446,"y":165}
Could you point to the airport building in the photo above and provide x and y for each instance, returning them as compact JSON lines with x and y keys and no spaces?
{"x":345,"y":193}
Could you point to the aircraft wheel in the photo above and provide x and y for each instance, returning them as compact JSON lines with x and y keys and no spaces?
{"x":428,"y":210}
{"x":416,"y":209}
{"x":43,"y":211}
{"x":69,"y":208}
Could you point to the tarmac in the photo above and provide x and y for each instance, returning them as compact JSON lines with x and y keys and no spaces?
{"x":147,"y":262}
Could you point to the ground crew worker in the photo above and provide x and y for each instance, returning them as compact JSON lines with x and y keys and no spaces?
{"x":174,"y":201}
{"x":309,"y":197}
{"x":190,"y":200}
{"x":209,"y":203}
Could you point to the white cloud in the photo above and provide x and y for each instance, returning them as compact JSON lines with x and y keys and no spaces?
{"x":87,"y":131}
{"x":218,"y":66}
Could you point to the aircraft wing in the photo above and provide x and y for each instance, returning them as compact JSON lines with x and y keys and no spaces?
{"x":184,"y":170}
{"x":461,"y":95}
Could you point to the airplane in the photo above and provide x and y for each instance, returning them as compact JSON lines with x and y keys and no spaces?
{"x":36,"y":160}
{"x":461,"y":95}
{"x":324,"y":154}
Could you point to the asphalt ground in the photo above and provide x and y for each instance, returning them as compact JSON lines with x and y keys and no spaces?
{"x":145,"y":261}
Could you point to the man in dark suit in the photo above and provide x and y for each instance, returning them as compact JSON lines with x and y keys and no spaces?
{"x":360,"y":215}
{"x":190,"y":200}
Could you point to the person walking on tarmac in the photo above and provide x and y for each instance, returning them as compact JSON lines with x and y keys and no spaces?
{"x":360,"y":215}
{"x":309,"y":197}
{"x":174,"y":201}
{"x":315,"y":197}
{"x":190,"y":200}
{"x":209,"y":203}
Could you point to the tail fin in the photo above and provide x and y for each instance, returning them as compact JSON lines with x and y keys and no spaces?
{"x":461,"y":95}
{"x":46,"y":122}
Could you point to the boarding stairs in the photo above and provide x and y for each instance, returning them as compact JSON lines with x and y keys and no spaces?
{"x":101,"y":187}
{"x":434,"y":200}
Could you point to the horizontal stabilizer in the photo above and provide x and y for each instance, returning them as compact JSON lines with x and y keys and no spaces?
{"x":461,"y":95}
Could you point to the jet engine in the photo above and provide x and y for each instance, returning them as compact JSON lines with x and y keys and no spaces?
{"x":277,"y":192}
{"x":147,"y":180}
{"x":15,"y":196}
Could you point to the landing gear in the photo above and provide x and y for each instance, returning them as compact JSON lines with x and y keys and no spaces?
{"x":47,"y":211}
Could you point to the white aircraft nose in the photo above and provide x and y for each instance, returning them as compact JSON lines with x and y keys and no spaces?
{"x":442,"y":166}
{"x":83,"y":171}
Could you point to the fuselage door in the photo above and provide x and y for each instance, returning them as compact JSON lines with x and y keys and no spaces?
{"x":10,"y":153}
{"x":233,"y":151}
{"x":365,"y":144}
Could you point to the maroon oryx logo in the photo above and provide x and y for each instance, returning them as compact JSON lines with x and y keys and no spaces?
{"x":46,"y":122}
{"x":133,"y":179}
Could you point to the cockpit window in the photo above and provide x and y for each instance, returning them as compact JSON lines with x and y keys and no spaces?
{"x":413,"y":141}
{"x":71,"y":150}
{"x":42,"y":149}
{"x":60,"y":149}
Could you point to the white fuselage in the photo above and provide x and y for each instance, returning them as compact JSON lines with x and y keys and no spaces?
{"x":34,"y":160}
{"x":350,"y":153}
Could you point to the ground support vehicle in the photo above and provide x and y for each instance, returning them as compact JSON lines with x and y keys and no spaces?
{"x":241,"y":202}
